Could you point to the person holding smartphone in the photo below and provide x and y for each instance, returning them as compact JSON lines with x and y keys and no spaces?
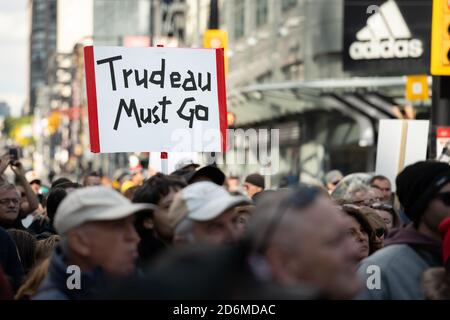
{"x":29,"y":201}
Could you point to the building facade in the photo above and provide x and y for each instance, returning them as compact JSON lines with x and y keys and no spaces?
{"x":4,"y":109}
{"x":42,"y":45}
{"x":288,"y":70}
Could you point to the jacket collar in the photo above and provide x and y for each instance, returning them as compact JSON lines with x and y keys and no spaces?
{"x":59,"y":273}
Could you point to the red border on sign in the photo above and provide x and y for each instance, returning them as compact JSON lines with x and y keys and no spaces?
{"x":221,"y":88}
{"x":92,"y":98}
{"x":443,"y":132}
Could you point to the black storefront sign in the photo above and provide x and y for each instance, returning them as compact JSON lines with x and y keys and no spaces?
{"x":387,"y":37}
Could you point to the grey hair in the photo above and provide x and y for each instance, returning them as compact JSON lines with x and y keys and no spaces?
{"x":184,"y":230}
{"x":354,"y":188}
{"x":5,"y":186}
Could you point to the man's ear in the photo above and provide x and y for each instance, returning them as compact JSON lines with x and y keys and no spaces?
{"x":79,"y":242}
{"x":148,"y":223}
{"x":282,"y":265}
{"x":179,"y":240}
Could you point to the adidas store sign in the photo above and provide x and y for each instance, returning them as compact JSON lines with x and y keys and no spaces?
{"x":386,"y":49}
{"x":386,"y":36}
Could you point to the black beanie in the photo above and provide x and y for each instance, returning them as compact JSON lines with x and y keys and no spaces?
{"x":256,"y":179}
{"x":418,"y":183}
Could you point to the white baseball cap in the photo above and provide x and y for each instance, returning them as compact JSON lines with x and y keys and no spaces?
{"x":96,"y":203}
{"x":202,"y":201}
{"x":32,"y":176}
{"x":185,"y":162}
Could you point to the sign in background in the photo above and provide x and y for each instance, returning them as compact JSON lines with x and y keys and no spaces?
{"x":156,"y":99}
{"x":417,"y":17}
{"x":217,"y":38}
{"x":442,"y":138}
{"x":417,"y":88}
{"x":400,"y":143}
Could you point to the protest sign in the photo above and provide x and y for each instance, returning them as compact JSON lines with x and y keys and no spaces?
{"x":156,"y":99}
{"x":442,"y":141}
{"x":400,"y":143}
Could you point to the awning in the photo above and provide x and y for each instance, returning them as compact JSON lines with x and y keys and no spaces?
{"x":366,"y":100}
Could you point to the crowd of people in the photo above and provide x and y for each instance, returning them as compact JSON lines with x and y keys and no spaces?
{"x":198,"y":234}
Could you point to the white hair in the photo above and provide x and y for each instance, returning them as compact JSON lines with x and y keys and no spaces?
{"x":6,"y":186}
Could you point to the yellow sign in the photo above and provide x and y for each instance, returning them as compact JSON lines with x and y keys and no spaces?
{"x":417,"y":88}
{"x":54,"y":121}
{"x":216,"y":38}
{"x":440,"y":38}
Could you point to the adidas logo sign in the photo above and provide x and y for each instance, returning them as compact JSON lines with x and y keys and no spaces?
{"x":386,"y":36}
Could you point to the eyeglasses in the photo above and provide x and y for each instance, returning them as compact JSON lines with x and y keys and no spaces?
{"x":382,"y":206}
{"x":5,"y":202}
{"x":444,"y":197}
{"x":366,"y":202}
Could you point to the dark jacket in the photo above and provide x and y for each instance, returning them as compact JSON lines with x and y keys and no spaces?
{"x":9,"y":259}
{"x":42,"y":228}
{"x":55,"y":284}
{"x":17,"y":224}
{"x":5,"y":287}
{"x":204,"y":272}
{"x":406,"y":255}
{"x":149,"y":248}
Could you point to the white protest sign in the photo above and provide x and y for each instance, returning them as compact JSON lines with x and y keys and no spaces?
{"x":400,"y":143}
{"x":156,"y":99}
{"x":172,"y":160}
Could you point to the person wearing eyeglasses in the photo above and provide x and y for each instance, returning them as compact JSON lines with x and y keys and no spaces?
{"x":387,"y":213}
{"x":9,"y":205}
{"x":423,"y":189}
{"x":29,"y":202}
{"x":361,"y":194}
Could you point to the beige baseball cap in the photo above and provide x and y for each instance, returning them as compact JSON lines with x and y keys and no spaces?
{"x":96,"y":203}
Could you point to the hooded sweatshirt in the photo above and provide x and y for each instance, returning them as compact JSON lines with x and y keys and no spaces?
{"x":394,"y":272}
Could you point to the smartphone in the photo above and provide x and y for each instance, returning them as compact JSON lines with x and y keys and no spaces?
{"x":14,"y":154}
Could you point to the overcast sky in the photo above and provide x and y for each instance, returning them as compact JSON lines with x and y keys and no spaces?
{"x":13,"y":53}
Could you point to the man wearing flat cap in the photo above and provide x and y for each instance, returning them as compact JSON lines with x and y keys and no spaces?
{"x":423,"y":190}
{"x":97,"y":237}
